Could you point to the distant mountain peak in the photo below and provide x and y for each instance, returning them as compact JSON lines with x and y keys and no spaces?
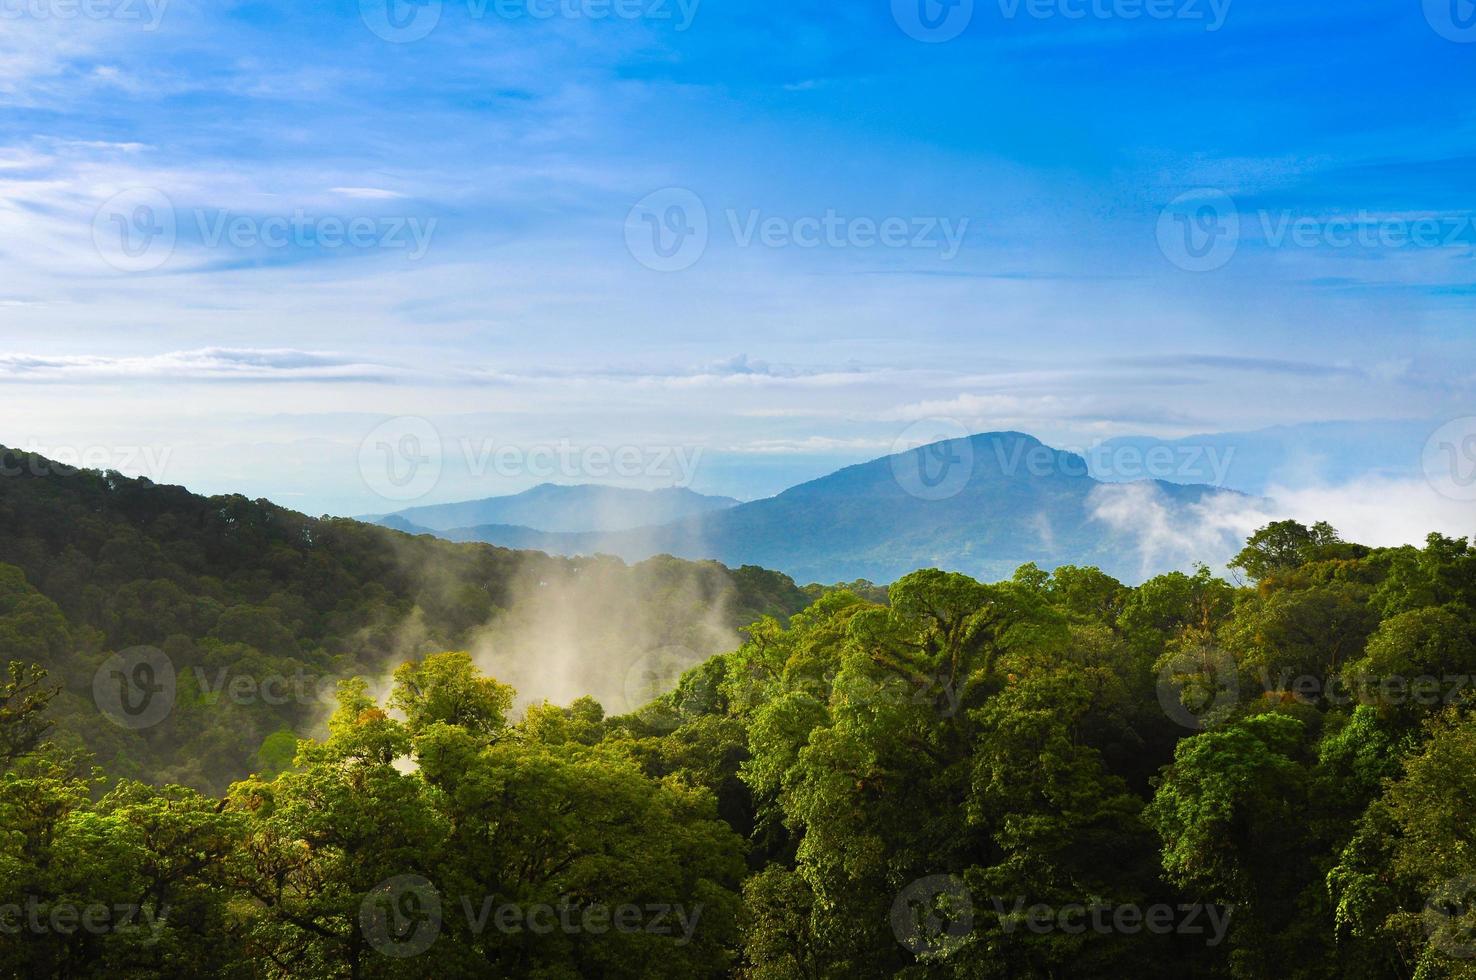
{"x":982,"y":504}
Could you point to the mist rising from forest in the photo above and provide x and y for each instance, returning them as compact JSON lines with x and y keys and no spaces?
{"x":1379,"y":511}
{"x":566,"y":628}
{"x":592,"y":633}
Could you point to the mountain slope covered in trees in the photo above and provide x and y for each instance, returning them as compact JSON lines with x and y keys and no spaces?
{"x":236,"y":591}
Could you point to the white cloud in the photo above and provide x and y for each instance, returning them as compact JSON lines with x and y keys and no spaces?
{"x":1170,"y":536}
{"x":1379,"y":512}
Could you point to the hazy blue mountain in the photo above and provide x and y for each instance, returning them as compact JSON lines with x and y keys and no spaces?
{"x":549,"y":507}
{"x":1314,"y":453}
{"x":397,"y":523}
{"x":983,"y":505}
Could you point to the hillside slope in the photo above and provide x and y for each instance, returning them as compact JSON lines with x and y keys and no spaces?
{"x":257,"y":610}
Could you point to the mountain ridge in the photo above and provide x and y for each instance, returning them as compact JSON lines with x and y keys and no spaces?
{"x":982,"y":505}
{"x":560,"y":508}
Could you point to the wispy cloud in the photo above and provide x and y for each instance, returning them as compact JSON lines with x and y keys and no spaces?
{"x":289,"y":364}
{"x":1259,"y":365}
{"x":367,"y":193}
{"x":205,"y":364}
{"x":736,"y":371}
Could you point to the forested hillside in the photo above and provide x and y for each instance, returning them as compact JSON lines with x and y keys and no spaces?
{"x":242,"y":592}
{"x":1050,"y":776}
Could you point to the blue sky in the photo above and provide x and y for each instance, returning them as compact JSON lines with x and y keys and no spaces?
{"x":1038,"y":172}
